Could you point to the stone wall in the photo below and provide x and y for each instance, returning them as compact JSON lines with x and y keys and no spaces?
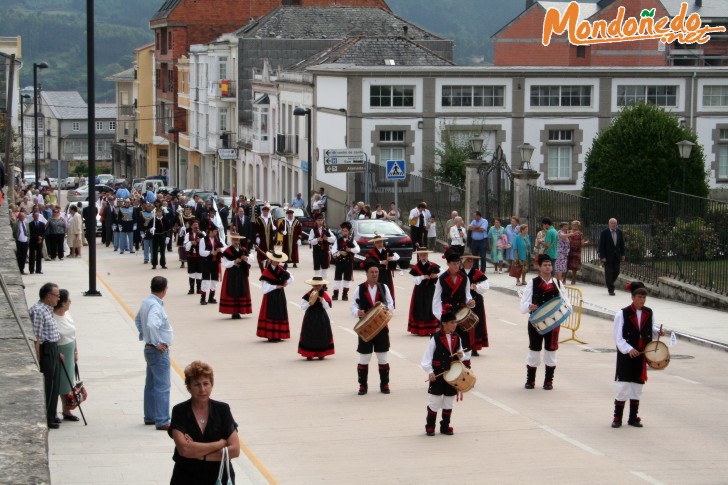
{"x":23,"y":431}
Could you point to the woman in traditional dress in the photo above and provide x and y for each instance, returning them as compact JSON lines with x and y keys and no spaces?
{"x":496,"y":246}
{"x":235,"y":293}
{"x":424,"y":274}
{"x":317,"y":339}
{"x":273,"y":317}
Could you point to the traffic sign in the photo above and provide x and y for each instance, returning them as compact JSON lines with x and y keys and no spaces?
{"x":347,"y":168}
{"x":344,"y":157}
{"x":395,"y":170}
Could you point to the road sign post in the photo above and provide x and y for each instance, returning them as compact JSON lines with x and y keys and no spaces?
{"x":396,"y":172}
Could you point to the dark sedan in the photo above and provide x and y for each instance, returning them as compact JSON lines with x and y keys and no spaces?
{"x":397,"y":240}
{"x":300,"y":214}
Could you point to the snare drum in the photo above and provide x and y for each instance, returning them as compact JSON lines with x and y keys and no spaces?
{"x":549,"y":315}
{"x":460,"y":377}
{"x":373,"y":322}
{"x":657,"y":355}
{"x":467,"y":320}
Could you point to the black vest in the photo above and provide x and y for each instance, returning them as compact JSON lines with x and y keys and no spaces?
{"x":542,"y":294}
{"x":363,"y":300}
{"x":441,"y":356}
{"x":455,"y":296}
{"x":631,"y":333}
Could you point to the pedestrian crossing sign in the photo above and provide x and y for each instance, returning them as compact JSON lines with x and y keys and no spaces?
{"x":395,"y":170}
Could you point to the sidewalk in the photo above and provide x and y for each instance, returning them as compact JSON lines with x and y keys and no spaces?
{"x":705,"y":326}
{"x":115,"y":447}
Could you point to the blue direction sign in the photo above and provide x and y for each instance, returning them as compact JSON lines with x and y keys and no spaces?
{"x":395,"y":170}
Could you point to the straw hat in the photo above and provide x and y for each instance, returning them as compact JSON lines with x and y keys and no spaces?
{"x":316,"y":280}
{"x":277,"y":255}
{"x":377,"y":237}
{"x":423,"y":251}
{"x":469,"y":256}
{"x":236,"y":236}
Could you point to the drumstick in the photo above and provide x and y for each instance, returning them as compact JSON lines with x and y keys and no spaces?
{"x":464,"y":350}
{"x":438,"y":375}
{"x":658,"y":339}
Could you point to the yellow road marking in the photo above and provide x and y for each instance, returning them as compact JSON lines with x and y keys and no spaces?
{"x":243,"y":447}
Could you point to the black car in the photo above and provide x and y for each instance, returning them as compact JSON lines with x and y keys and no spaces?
{"x":302,"y":215}
{"x":397,"y":241}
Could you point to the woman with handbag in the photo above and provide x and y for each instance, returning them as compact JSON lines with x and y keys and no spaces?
{"x":497,"y":244}
{"x":204,"y":432}
{"x":522,"y":245}
{"x":67,"y":348}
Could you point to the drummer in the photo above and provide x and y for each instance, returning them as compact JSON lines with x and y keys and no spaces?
{"x":453,"y":287}
{"x":634,"y":328}
{"x":538,"y":291}
{"x":364,"y":297}
{"x":442,"y":349}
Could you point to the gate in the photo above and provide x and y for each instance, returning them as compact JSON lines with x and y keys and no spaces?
{"x":496,"y":187}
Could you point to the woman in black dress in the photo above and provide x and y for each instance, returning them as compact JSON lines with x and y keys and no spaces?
{"x":201,"y":428}
{"x":273,"y":317}
{"x":316,"y":340}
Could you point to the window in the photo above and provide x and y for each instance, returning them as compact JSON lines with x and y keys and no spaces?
{"x":99,"y":126}
{"x":390,"y":153}
{"x":222,"y":68}
{"x":126,"y":128}
{"x":543,"y":96}
{"x":223,"y":120}
{"x":560,"y":150}
{"x":392,"y":96}
{"x":581,"y":51}
{"x":163,"y":152}
{"x":715,"y":96}
{"x":470,"y":96}
{"x":723,"y":154}
{"x":657,"y":95}
{"x":124,"y":98}
{"x":76,"y":126}
{"x":391,"y":136}
{"x":112,"y":125}
{"x":158,"y":78}
{"x":169,"y":40}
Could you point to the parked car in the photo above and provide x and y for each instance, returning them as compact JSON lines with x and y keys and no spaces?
{"x":397,"y":240}
{"x":204,"y":194}
{"x":105,"y":179}
{"x":84,"y":204}
{"x":303,"y":217}
{"x":81,"y":193}
{"x":68,"y":183}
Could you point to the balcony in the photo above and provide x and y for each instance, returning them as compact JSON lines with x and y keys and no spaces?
{"x":286,"y":144}
{"x":126,"y":111}
{"x":228,"y":140}
{"x":225,"y":89}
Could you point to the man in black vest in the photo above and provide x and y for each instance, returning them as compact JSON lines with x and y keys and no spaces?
{"x":611,"y":253}
{"x":634,"y":328}
{"x":365,"y":296}
{"x":538,"y":291}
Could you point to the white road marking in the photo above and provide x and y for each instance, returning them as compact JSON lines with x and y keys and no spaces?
{"x":571,"y":440}
{"x":509,"y":323}
{"x":256,"y":284}
{"x":689,"y":381}
{"x":400,"y":288}
{"x":647,"y":478}
{"x":397,"y":354}
{"x":345,"y":329}
{"x":495,"y":403}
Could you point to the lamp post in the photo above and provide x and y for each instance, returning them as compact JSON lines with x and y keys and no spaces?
{"x":22,"y":133}
{"x":526,"y":153}
{"x":125,"y":161}
{"x":685,"y":147}
{"x":36,"y":66}
{"x":307,"y":113}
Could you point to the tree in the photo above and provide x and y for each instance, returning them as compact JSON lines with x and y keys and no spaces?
{"x":453,"y":151}
{"x":638,"y":155}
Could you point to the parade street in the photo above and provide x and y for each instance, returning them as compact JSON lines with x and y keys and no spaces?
{"x":302,"y":422}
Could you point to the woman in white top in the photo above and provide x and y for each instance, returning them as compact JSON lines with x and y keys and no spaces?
{"x":458,"y":235}
{"x":67,"y":348}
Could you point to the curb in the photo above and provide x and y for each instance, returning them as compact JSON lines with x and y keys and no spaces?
{"x":603,"y":313}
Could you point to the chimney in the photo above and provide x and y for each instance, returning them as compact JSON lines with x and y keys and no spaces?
{"x":529,"y":3}
{"x":406,"y":31}
{"x":698,"y":3}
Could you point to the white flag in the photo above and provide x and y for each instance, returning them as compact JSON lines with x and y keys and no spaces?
{"x":673,"y":340}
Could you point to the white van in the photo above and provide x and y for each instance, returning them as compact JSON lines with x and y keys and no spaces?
{"x":153,"y":185}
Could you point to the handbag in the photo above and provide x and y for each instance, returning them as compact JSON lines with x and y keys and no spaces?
{"x":515,"y":270}
{"x":224,"y":465}
{"x":78,"y":393}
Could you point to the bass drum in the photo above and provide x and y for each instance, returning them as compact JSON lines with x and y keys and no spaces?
{"x":657,"y":355}
{"x":373,"y":322}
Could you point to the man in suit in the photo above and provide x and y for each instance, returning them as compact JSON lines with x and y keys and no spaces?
{"x":21,"y":234}
{"x":35,"y":245}
{"x":242,"y":225}
{"x":89,"y":216}
{"x":611,"y":253}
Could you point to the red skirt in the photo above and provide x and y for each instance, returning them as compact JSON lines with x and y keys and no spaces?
{"x":230,"y":303}
{"x":273,"y":317}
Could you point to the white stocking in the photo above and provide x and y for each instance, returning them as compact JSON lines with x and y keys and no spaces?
{"x":382,"y":358}
{"x":533,"y":359}
{"x":549,"y":358}
{"x":364,"y":359}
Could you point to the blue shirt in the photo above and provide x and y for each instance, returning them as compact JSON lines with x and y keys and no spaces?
{"x":153,"y":323}
{"x":477,"y":235}
{"x":298,"y":203}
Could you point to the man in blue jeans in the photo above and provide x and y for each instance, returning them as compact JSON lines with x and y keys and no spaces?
{"x":479,"y":230}
{"x":154,"y":329}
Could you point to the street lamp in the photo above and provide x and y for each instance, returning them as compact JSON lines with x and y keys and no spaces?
{"x":307,"y":113}
{"x":36,"y":66}
{"x":22,"y":133}
{"x":685,"y":148}
{"x":476,"y":147}
{"x":526,"y":153}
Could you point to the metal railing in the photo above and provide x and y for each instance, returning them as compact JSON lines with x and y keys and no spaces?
{"x":441,"y":198}
{"x":685,"y":238}
{"x":286,"y":143}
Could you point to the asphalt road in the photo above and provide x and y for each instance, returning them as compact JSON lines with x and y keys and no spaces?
{"x":305,"y":423}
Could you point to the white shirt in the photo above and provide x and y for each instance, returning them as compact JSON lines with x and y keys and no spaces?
{"x":528,"y":293}
{"x":430,"y":352}
{"x":355,"y":249}
{"x":457,"y":238}
{"x":416,"y":213}
{"x":437,"y":298}
{"x":314,"y":240}
{"x":373,"y":294}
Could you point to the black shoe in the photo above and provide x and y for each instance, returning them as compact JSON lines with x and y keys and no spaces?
{"x":362,"y":390}
{"x":529,"y":385}
{"x":38,"y":272}
{"x":385,"y":389}
{"x":203,"y":302}
{"x":154,"y":267}
{"x":23,"y":272}
{"x":53,"y":425}
{"x":146,"y":262}
{"x":164,"y":267}
{"x":236,"y":316}
{"x":70,"y":417}
{"x":548,"y":385}
{"x":637,"y":423}
{"x":191,"y":292}
{"x":295,"y":265}
{"x":447,"y":431}
{"x":616,"y":424}
{"x":212,"y":300}
{"x":430,"y":432}
{"x":611,"y":293}
{"x":57,"y":420}
{"x":475,"y":353}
